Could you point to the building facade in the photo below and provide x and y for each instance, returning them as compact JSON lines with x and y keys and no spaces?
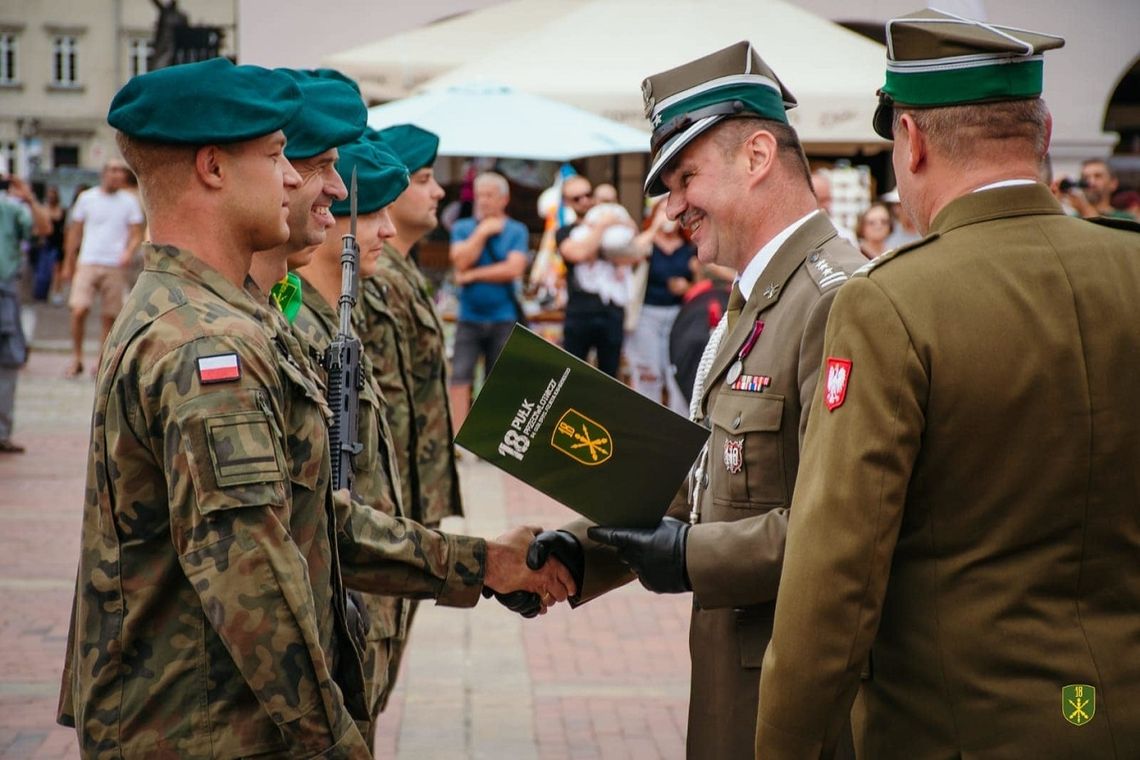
{"x":61,"y":62}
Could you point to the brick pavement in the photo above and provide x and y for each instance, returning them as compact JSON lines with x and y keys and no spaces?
{"x":608,"y":680}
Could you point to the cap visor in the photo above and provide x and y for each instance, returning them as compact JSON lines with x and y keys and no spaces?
{"x":653,"y":185}
{"x":883,"y":120}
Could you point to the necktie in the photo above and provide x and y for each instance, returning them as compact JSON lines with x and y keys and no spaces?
{"x":735,"y":306}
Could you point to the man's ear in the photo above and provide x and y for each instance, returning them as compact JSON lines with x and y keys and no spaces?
{"x":208,"y":162}
{"x":760,"y":150}
{"x":916,"y":142}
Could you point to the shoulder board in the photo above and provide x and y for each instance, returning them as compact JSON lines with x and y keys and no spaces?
{"x":824,"y":271}
{"x":890,"y":255}
{"x":1116,"y":223}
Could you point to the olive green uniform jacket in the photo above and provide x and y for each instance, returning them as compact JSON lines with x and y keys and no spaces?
{"x":209,"y":615}
{"x":735,"y":552}
{"x":969,"y":515}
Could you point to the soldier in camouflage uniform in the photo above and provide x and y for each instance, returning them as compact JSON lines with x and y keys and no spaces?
{"x":333,"y":115}
{"x":209,"y":617}
{"x":399,"y":323}
{"x":403,"y":336}
{"x":380,"y":178}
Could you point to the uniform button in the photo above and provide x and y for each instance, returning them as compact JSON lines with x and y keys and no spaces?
{"x":736,"y":422}
{"x":814,"y":258}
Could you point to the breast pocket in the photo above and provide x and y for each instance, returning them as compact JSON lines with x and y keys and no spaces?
{"x":747,"y":457}
{"x":306,"y":435}
{"x":427,"y":346}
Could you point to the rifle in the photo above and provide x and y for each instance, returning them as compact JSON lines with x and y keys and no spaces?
{"x":342,"y":362}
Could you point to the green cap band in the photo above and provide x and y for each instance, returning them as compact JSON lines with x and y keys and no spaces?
{"x":761,"y":101}
{"x":287,"y":295}
{"x":1005,"y":81}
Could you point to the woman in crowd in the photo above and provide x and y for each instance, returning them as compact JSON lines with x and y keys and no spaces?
{"x":669,"y":276}
{"x":873,"y":227}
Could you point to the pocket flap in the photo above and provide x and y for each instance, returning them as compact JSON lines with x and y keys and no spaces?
{"x":234,"y":455}
{"x":744,"y":412}
{"x":242,"y":449}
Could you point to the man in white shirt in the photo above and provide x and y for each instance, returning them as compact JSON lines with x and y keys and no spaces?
{"x":106,"y":228}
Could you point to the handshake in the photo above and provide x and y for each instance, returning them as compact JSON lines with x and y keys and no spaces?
{"x":524,"y":580}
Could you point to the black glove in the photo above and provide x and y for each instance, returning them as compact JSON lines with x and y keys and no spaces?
{"x":525,"y":603}
{"x":657,"y":555}
{"x":565,"y":548}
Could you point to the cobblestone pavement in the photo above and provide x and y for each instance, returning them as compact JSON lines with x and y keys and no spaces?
{"x":608,"y":680}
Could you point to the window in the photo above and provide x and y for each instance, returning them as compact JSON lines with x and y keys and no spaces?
{"x":7,"y":58}
{"x":139,"y":50}
{"x":65,"y":61}
{"x":8,"y":158}
{"x":64,"y":155}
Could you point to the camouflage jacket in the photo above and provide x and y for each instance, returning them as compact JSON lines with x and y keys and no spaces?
{"x":209,"y":618}
{"x":376,"y":479}
{"x":403,"y":336}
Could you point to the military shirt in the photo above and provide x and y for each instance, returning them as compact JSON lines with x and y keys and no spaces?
{"x":971,"y":459}
{"x":209,"y":616}
{"x":403,"y":335}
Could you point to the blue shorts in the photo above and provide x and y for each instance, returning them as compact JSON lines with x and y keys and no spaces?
{"x":475,"y":339}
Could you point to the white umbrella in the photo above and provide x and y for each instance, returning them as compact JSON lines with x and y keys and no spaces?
{"x":595,"y":55}
{"x":500,"y":122}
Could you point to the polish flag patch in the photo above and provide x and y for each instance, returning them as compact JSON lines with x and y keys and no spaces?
{"x":835,"y":390}
{"x":221,"y":368}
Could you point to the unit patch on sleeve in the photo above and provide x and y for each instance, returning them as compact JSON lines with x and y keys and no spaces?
{"x":835,"y":391}
{"x":220,"y":368}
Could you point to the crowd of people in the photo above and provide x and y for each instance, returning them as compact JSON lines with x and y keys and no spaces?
{"x":912,"y":529}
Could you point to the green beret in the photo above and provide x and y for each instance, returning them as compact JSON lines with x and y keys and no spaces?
{"x":939,"y":59}
{"x":416,"y":147}
{"x":683,"y":102}
{"x":202,"y":103}
{"x":333,"y":114}
{"x":380,"y":176}
{"x":335,"y":75}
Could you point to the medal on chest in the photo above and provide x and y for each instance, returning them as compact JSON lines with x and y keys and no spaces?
{"x":737,"y":367}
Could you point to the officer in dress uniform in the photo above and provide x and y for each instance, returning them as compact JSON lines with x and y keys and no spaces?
{"x":738,"y":181}
{"x":973,"y":448}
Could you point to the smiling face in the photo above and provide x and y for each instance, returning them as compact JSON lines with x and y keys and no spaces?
{"x":309,"y":216}
{"x":705,"y":187}
{"x":414,"y":212}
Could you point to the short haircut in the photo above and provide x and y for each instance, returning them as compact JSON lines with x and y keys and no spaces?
{"x":976,"y":130}
{"x":161,"y":169}
{"x":731,"y":133}
{"x":1103,"y":162}
{"x":493,"y":179}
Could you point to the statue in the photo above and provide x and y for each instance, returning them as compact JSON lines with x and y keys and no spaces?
{"x":170,"y":20}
